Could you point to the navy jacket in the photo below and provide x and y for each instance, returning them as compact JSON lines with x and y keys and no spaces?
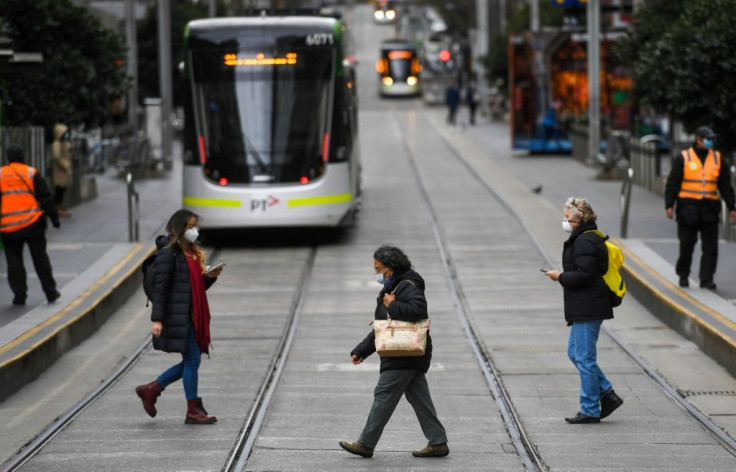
{"x":172,"y":298}
{"x":584,"y":261}
{"x":410,"y":305}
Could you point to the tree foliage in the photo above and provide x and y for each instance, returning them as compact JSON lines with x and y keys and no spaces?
{"x":681,"y":55}
{"x":83,"y":65}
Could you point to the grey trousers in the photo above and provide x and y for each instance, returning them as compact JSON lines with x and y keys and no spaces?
{"x":392,"y":384}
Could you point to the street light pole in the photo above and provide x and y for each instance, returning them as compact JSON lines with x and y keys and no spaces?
{"x":165,"y":85}
{"x":132,"y":42}
{"x":594,"y":82}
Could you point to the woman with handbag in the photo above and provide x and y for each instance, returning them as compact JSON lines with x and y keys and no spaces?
{"x":181,"y":313}
{"x":401,"y":298}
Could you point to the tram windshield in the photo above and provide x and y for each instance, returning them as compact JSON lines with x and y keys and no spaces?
{"x":263,"y":116}
{"x":399,"y":63}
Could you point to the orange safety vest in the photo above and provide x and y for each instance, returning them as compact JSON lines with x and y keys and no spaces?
{"x":19,"y":205}
{"x":700,"y":180}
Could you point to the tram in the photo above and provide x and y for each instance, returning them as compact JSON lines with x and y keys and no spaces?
{"x":398,"y":69}
{"x":384,"y":12}
{"x":270,"y":136}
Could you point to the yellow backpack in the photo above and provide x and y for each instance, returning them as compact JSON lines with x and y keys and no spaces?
{"x":612,"y":277}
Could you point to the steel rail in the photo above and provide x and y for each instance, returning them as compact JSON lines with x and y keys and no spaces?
{"x":718,"y":433}
{"x":519,"y":437}
{"x":244,"y":444}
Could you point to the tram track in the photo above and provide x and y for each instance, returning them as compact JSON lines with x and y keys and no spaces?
{"x":243,"y":445}
{"x":514,"y":425}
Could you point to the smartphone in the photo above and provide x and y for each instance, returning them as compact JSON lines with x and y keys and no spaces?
{"x":544,"y":270}
{"x":221,"y":264}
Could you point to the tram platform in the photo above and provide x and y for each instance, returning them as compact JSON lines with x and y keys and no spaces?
{"x":97,"y":266}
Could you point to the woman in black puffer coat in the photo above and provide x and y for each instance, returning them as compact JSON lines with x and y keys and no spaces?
{"x":401,"y":297}
{"x":587,"y":303}
{"x":180,"y":314}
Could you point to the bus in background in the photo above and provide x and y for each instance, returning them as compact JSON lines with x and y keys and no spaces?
{"x":441,"y":61}
{"x":270,"y":136}
{"x":398,"y":69}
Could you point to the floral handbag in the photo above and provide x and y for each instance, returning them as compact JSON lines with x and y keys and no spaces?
{"x":396,"y":338}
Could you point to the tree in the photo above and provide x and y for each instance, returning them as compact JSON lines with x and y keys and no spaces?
{"x":680,"y":51}
{"x":83,"y":65}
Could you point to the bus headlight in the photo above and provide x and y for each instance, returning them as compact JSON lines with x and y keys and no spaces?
{"x":378,"y":14}
{"x":390,"y":14}
{"x":411,"y":80}
{"x":388,"y":81}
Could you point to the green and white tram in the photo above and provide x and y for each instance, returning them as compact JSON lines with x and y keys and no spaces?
{"x":270,"y":137}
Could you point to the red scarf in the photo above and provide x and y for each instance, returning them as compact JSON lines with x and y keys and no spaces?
{"x":200,"y":307}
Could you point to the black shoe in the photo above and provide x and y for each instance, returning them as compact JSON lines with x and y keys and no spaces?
{"x":357,"y":448}
{"x":581,"y":419}
{"x":684,"y":282}
{"x":19,"y":301}
{"x":53,"y":296}
{"x":708,"y":284}
{"x":609,"y":402}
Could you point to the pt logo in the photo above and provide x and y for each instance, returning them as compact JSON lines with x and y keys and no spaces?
{"x":262,"y":204}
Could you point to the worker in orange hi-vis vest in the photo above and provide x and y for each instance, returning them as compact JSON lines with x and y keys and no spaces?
{"x":698,"y":180}
{"x":25,"y":201}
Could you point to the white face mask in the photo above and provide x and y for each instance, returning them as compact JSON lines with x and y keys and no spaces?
{"x":379,"y":277}
{"x":566,"y":226}
{"x":191,"y":234}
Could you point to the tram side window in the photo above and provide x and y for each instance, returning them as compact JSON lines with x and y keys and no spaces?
{"x":342,"y":142}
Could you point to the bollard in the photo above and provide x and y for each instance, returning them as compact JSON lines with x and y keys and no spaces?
{"x":626,"y":201}
{"x":134,"y":209}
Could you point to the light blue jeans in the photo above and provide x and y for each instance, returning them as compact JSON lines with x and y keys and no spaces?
{"x":581,"y":351}
{"x":187,"y":369}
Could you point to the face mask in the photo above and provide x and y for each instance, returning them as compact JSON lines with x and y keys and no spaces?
{"x":379,"y":277}
{"x":708,"y":143}
{"x":191,"y":234}
{"x":566,"y":226}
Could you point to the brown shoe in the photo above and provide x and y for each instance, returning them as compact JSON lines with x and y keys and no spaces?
{"x":438,"y":450}
{"x":357,"y":448}
{"x":197,"y":416}
{"x":148,"y":394}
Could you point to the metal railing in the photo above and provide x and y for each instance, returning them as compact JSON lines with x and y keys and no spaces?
{"x":31,"y":138}
{"x":134,"y":209}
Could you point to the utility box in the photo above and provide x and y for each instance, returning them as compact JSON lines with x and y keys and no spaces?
{"x":154,"y":128}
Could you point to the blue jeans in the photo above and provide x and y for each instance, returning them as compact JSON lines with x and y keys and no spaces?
{"x":187,"y":369}
{"x":582,"y":353}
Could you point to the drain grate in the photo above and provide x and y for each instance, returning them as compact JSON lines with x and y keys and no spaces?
{"x":690,"y":393}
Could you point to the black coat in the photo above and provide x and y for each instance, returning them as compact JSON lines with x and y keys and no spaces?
{"x":410,"y":305}
{"x":691,"y":211}
{"x":172,"y":298}
{"x":584,"y":261}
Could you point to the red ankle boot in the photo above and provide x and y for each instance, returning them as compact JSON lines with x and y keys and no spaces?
{"x":197,"y":416}
{"x":148,"y":394}
{"x":200,"y":405}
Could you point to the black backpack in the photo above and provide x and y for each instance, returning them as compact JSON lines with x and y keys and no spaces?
{"x":149,"y":277}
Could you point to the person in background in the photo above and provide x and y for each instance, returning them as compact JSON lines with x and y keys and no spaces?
{"x":587,"y":303}
{"x":181,"y":313}
{"x":24,"y":199}
{"x":61,"y":151}
{"x":452,"y":99}
{"x":472,"y":99}
{"x":401,"y":297}
{"x":697,"y":177}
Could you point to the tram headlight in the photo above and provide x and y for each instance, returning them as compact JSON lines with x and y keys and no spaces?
{"x":388,"y":81}
{"x":378,"y":14}
{"x":411,"y":80}
{"x":390,"y":14}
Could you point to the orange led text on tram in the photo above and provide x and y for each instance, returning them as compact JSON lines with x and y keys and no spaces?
{"x":233,"y":60}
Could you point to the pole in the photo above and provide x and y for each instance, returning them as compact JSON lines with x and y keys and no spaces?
{"x":211,"y":9}
{"x":502,"y":17}
{"x":165,"y":85}
{"x":534,"y":26}
{"x":132,"y":42}
{"x":594,"y":83}
{"x":481,"y":49}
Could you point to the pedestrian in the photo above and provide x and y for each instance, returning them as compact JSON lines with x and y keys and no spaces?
{"x":399,"y":376}
{"x":697,"y":177}
{"x":452,"y":99}
{"x":61,"y":151}
{"x":587,"y":303}
{"x":471,"y":98}
{"x":181,"y":313}
{"x":24,"y":200}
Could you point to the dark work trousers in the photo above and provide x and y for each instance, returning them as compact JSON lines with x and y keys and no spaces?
{"x":16,"y":268}
{"x":688,"y":236}
{"x":392,"y":384}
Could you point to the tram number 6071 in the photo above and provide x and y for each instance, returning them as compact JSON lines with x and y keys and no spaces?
{"x":320,"y":39}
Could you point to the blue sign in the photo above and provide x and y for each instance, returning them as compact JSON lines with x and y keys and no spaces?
{"x":569,"y":3}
